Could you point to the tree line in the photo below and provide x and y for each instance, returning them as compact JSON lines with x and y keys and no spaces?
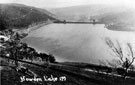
{"x":13,"y":47}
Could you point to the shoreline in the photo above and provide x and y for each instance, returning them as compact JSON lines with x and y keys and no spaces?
{"x":31,"y":28}
{"x":120,"y":28}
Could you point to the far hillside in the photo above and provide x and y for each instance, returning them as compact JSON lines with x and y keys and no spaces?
{"x":21,"y":16}
{"x":121,"y":17}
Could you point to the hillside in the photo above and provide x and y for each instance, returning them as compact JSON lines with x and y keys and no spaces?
{"x":21,"y":16}
{"x":120,"y":16}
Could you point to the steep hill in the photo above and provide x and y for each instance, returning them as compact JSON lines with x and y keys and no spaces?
{"x":20,"y":16}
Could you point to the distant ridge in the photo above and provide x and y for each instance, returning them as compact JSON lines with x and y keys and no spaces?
{"x":119,"y":16}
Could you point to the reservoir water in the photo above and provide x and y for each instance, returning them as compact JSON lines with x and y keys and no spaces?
{"x":77,"y":42}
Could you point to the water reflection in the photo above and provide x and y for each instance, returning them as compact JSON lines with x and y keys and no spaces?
{"x":77,"y":42}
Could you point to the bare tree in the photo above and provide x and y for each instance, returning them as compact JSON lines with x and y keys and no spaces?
{"x":124,"y":60}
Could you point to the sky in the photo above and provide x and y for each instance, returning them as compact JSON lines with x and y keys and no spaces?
{"x":67,"y":3}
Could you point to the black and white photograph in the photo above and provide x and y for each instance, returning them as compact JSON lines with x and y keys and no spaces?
{"x":67,"y":42}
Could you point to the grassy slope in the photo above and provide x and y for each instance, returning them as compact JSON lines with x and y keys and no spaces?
{"x":19,"y":16}
{"x":73,"y":74}
{"x":11,"y":76}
